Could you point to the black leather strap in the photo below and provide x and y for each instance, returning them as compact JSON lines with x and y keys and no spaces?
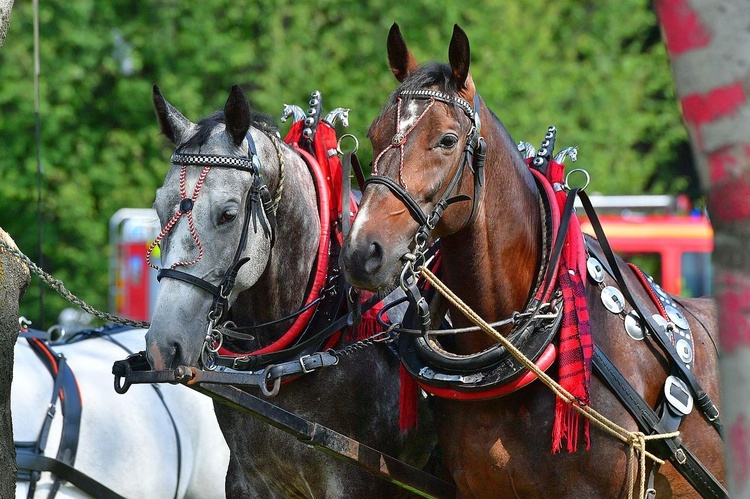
{"x":35,"y":462}
{"x":670,"y":448}
{"x":188,"y":278}
{"x":701,"y":397}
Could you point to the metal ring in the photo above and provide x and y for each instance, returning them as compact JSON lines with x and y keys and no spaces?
{"x":219,"y":341}
{"x":276,"y":383}
{"x":566,"y":186}
{"x":347,"y":135}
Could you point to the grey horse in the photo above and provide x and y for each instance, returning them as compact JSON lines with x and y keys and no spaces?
{"x":358,"y":397}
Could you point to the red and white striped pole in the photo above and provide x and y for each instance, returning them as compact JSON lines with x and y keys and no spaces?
{"x":709,"y":47}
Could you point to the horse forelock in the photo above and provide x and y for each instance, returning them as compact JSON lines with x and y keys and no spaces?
{"x":429,"y":75}
{"x":207,"y":125}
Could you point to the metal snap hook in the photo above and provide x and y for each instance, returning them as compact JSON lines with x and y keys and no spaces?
{"x":349,"y":136}
{"x":566,"y":185}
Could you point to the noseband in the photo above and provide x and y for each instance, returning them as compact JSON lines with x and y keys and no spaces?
{"x":259,"y":207}
{"x":473,"y":154}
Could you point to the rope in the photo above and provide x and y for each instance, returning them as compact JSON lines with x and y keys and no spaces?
{"x":636,"y":441}
{"x":58,"y":286}
{"x":280,"y":155}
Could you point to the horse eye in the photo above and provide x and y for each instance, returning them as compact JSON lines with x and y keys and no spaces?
{"x":448,"y":141}
{"x":227,"y":216}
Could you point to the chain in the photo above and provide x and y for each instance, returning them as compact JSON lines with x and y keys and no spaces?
{"x":58,"y":286}
{"x":381,"y":337}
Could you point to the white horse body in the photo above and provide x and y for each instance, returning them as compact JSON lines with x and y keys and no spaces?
{"x":127,"y":442}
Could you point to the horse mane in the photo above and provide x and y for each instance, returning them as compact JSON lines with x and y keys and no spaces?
{"x":258,"y":120}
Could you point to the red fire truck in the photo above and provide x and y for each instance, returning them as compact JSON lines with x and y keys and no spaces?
{"x":675,"y":248}
{"x":132,"y":283}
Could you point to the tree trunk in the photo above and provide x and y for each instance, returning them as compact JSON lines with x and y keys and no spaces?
{"x":5,"y":7}
{"x":709,"y":46}
{"x":14,"y":278}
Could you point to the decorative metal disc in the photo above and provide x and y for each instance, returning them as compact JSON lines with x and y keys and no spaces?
{"x":633,"y":326}
{"x":613,"y":299}
{"x":595,"y":269}
{"x":661,"y":321}
{"x":684,"y":350}
{"x":676,"y":316}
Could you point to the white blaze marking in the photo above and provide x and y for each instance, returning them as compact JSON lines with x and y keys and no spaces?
{"x":408,"y":117}
{"x":361,"y":218}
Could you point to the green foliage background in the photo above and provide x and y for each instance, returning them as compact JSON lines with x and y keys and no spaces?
{"x":596,"y":69}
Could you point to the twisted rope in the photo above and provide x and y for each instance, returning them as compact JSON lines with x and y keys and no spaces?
{"x":636,"y":441}
{"x":58,"y":286}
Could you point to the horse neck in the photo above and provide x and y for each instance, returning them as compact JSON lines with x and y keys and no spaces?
{"x":492,"y":263}
{"x":282,"y":288}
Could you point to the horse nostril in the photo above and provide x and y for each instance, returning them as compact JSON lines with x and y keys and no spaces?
{"x":374,"y":258}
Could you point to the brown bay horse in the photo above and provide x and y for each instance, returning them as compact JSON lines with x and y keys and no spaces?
{"x":492,"y":242}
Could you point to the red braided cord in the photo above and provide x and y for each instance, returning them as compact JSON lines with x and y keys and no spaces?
{"x":400,"y":143}
{"x":173,"y":221}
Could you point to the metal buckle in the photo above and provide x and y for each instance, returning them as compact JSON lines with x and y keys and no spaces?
{"x":713,"y":418}
{"x":649,"y":494}
{"x":679,"y":454}
{"x":302,"y":364}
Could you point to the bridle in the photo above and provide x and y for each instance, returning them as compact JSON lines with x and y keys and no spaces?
{"x":260,"y":208}
{"x":473,"y":154}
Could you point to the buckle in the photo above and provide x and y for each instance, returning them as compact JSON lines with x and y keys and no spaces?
{"x":679,"y":454}
{"x":715,"y":416}
{"x":302,"y":364}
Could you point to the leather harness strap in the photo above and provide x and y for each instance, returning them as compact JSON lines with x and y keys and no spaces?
{"x":701,"y":397}
{"x":36,"y":462}
{"x":672,"y":448}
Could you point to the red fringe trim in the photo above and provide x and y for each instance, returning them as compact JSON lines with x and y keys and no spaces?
{"x":566,"y":427}
{"x":407,"y":401}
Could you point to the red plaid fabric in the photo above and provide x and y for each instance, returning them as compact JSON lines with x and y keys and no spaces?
{"x":576,"y":345}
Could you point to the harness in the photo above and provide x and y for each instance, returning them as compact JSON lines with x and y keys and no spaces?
{"x":30,"y":455}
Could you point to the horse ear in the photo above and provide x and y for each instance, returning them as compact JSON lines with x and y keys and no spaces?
{"x":237,"y":115}
{"x":401,"y":61}
{"x":459,"y":56}
{"x":172,"y":123}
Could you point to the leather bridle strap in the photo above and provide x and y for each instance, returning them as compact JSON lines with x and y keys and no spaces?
{"x":188,"y":278}
{"x":256,"y":204}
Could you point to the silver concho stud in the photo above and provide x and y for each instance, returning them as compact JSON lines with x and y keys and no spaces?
{"x":661,"y":322}
{"x":684,"y":350}
{"x":676,"y":316}
{"x":613,"y":300}
{"x":633,"y":326}
{"x":595,"y":269}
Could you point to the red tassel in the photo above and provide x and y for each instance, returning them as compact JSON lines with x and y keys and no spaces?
{"x":369,"y":325}
{"x":407,"y":401}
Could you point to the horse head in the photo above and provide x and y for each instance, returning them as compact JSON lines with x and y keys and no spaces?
{"x":426,"y":145}
{"x":214,"y":222}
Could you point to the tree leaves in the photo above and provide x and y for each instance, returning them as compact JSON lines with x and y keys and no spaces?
{"x":595,"y":70}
